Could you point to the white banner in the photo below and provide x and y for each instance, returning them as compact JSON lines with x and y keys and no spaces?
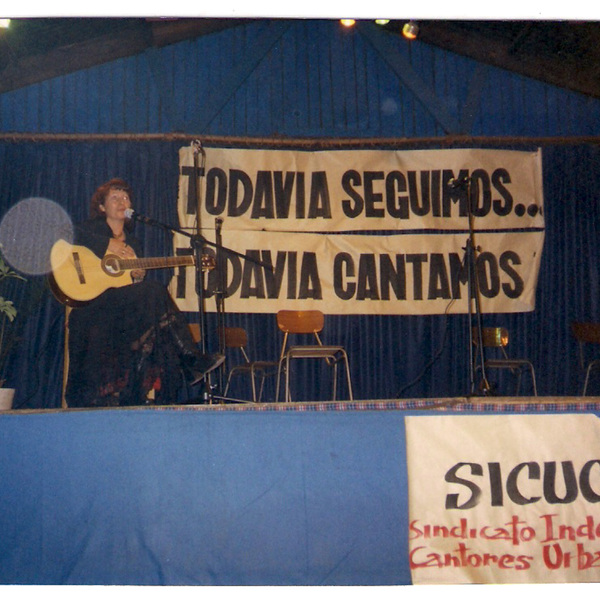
{"x":295,"y":213}
{"x":361,"y":190}
{"x":360,"y":274}
{"x":508,"y":499}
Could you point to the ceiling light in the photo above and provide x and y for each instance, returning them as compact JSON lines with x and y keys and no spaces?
{"x":382,"y":21}
{"x":410,"y":30}
{"x":348,"y":22}
{"x":4,"y":23}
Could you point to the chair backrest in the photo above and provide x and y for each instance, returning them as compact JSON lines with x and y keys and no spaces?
{"x":235,"y":337}
{"x":588,"y":333}
{"x":585,"y":333}
{"x":300,"y":321}
{"x":491,"y":337}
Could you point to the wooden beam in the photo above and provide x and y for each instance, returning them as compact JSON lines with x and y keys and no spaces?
{"x":171,"y":31}
{"x":27,"y":70}
{"x":450,"y":141}
{"x":18,"y":72}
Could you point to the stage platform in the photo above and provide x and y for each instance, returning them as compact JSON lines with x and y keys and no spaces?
{"x":234,"y":493}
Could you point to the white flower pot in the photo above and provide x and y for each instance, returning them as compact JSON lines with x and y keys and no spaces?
{"x":6,"y":398}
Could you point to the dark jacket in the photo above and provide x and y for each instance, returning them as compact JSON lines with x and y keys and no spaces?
{"x":95,"y":234}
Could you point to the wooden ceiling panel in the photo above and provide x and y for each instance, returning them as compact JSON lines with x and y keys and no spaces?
{"x":562,"y":53}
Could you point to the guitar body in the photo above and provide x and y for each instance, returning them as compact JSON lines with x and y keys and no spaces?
{"x":79,"y":276}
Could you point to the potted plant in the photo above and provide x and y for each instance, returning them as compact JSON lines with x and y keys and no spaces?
{"x":8,"y":313}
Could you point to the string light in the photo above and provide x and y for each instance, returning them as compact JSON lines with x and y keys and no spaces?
{"x":348,"y":22}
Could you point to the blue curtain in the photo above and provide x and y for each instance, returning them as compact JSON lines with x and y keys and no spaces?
{"x":391,"y":356}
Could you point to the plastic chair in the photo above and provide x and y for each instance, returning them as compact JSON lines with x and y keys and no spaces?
{"x":497,"y":337}
{"x":237,"y":337}
{"x":585,"y":334}
{"x":309,"y":322}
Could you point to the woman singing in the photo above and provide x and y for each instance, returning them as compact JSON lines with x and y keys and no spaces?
{"x":130,"y":345}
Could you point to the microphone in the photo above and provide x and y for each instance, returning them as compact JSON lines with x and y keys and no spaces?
{"x":132,"y":214}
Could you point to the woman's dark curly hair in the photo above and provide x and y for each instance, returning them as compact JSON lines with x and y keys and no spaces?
{"x":100,"y":195}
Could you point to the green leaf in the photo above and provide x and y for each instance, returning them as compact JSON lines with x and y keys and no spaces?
{"x":6,"y":271}
{"x":8,"y":308}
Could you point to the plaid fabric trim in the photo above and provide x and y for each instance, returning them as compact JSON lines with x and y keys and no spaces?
{"x":443,"y":405}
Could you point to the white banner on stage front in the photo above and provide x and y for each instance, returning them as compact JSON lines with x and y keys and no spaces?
{"x":364,"y":231}
{"x":509,"y":499}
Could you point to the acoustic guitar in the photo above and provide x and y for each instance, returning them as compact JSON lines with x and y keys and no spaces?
{"x":79,"y":276}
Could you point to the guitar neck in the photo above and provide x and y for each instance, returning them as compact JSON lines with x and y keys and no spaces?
{"x":156,"y":263}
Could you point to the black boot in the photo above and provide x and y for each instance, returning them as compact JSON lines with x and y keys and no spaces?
{"x":195,"y":364}
{"x":197,"y":367}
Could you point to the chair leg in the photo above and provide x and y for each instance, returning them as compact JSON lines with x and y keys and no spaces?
{"x":518,"y":388}
{"x":350,"y":394}
{"x":344,"y":357}
{"x":263,"y":376}
{"x":334,"y":382}
{"x":288,"y":396}
{"x":286,"y":367}
{"x":253,"y":384}
{"x":262,"y":386}
{"x":519,"y":374}
{"x":587,"y":378}
{"x":534,"y":383}
{"x":278,"y":386}
{"x":227,"y":385}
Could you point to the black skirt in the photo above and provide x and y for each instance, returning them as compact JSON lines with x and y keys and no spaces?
{"x":121,"y":351}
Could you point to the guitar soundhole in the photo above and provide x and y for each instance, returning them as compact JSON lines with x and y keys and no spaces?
{"x":111,"y":266}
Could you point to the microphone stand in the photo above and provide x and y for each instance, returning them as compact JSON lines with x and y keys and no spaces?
{"x":197,"y":243}
{"x":220,"y":294}
{"x":473,"y":296}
